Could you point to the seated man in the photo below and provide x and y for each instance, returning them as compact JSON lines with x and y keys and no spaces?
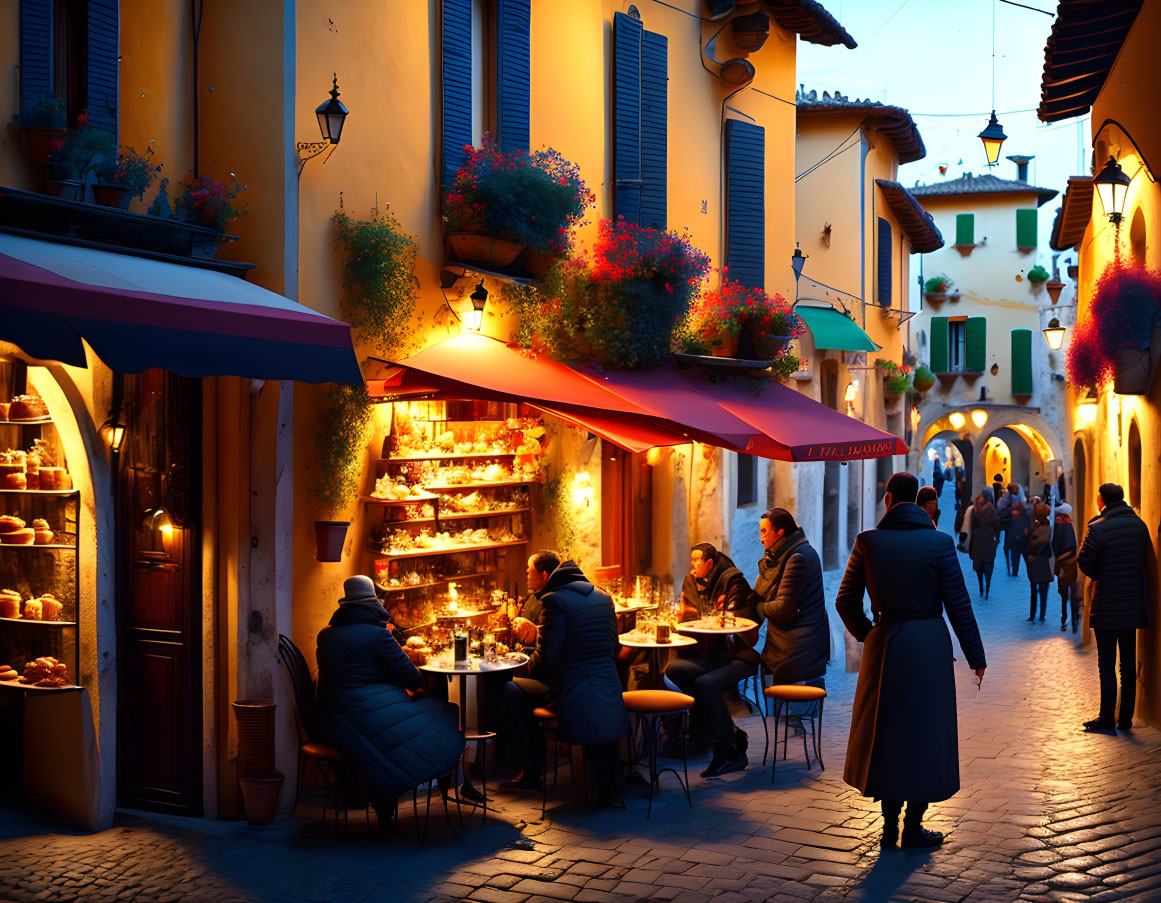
{"x":575,"y":660}
{"x":716,"y":664}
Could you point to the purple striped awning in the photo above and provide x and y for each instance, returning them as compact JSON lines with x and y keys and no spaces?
{"x":138,"y":313}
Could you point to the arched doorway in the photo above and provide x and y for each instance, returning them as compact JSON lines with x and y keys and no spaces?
{"x":1080,"y":477}
{"x":997,"y":460}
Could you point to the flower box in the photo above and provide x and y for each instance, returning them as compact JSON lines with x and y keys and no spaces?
{"x":481,"y":248}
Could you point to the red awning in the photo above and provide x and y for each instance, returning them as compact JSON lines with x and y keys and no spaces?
{"x":640,"y":409}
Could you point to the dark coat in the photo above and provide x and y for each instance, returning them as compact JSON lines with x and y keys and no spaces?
{"x":1038,"y":553}
{"x":1064,"y":549}
{"x":395,"y":742}
{"x":904,"y":739}
{"x":985,"y":537}
{"x":576,"y":658}
{"x":788,"y":594}
{"x":724,"y":588}
{"x":936,"y":476}
{"x":1118,"y":554}
{"x":1017,"y":525}
{"x":1004,"y":509}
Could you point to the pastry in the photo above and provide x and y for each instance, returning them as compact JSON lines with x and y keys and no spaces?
{"x":51,"y":608}
{"x":15,"y":481}
{"x":9,"y":604}
{"x":27,"y":407}
{"x":33,"y":610}
{"x":42,"y":531}
{"x":8,"y":673}
{"x":50,"y":477}
{"x":4,"y":406}
{"x":23,"y":537}
{"x":45,"y":672}
{"x":9,"y":522}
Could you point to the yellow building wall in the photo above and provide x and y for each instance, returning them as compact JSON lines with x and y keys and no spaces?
{"x":388,"y":67}
{"x":1135,"y":139}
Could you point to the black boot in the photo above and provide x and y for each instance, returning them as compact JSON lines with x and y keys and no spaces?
{"x":915,"y":836}
{"x":891,"y":810}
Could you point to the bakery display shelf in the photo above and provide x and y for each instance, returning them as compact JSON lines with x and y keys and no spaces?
{"x":454,"y":578}
{"x":467,"y":615}
{"x":458,"y":515}
{"x":398,"y":503}
{"x":17,"y":685}
{"x":449,"y":456}
{"x":41,"y":545}
{"x":416,"y":627}
{"x":452,"y":487}
{"x":38,"y":622}
{"x":49,"y":493}
{"x":446,"y":550}
{"x":30,"y":421}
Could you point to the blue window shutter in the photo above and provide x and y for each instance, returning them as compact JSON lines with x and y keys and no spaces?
{"x":654,"y":129}
{"x":103,"y":65}
{"x":746,"y":202}
{"x":627,"y":176}
{"x":457,"y":87}
{"x":35,"y":49}
{"x":884,"y":281}
{"x":513,"y":74}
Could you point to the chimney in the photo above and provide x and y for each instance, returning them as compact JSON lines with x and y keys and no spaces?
{"x":1021,"y":162}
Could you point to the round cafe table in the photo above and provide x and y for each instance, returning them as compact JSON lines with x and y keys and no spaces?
{"x":711,"y":626}
{"x":635,"y":640}
{"x":474,"y":667}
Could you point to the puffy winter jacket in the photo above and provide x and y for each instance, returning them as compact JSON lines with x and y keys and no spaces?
{"x":1118,"y":554}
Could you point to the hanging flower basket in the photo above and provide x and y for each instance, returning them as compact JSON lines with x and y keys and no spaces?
{"x":751,"y":31}
{"x":769,"y":347}
{"x":923,"y":380}
{"x":483,"y":249}
{"x":329,"y":537}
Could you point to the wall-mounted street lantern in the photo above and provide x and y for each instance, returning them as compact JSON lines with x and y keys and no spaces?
{"x":957,"y":420}
{"x":332,"y":114}
{"x":1112,"y":185}
{"x":1054,"y":334}
{"x":1086,"y":409}
{"x":473,"y":319}
{"x":979,"y":418}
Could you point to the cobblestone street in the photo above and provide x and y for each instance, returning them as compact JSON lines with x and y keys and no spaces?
{"x":1045,"y":813}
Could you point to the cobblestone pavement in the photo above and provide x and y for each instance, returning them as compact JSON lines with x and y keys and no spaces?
{"x":1045,"y":813}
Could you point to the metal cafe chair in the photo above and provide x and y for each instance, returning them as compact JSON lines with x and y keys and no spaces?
{"x":785,"y":695}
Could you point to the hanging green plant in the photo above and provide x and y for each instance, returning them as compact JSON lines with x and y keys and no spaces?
{"x":344,"y":424}
{"x":923,"y":379}
{"x":378,"y":278}
{"x":1037,"y":275}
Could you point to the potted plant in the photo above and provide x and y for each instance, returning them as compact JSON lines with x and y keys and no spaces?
{"x":897,"y":379}
{"x":41,"y":120}
{"x":1038,"y":275}
{"x":261,"y":783}
{"x":123,"y":176}
{"x":72,"y":156}
{"x":749,"y":322}
{"x":503,"y":204}
{"x":923,"y":379}
{"x":936,"y":288}
{"x":344,"y":429}
{"x":206,"y":202}
{"x":1119,"y":337}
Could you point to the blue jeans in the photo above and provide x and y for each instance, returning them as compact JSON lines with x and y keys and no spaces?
{"x":705,"y":679}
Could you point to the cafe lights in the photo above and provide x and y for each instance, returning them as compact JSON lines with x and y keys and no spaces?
{"x":957,"y":420}
{"x":979,"y":418}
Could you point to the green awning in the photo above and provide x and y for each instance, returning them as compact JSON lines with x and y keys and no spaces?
{"x":834,"y":330}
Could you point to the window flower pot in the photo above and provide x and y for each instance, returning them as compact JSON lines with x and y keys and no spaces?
{"x":489,"y":250}
{"x":260,"y":796}
{"x":329,"y":537}
{"x":724,"y":344}
{"x":111,"y":196}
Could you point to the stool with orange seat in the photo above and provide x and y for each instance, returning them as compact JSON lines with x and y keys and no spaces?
{"x":784,"y":695}
{"x":650,"y":706}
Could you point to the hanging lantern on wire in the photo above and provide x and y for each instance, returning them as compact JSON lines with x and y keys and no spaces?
{"x":993,"y":137}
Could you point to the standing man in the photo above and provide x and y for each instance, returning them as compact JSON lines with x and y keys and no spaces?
{"x":1118,"y":554}
{"x":1067,"y":578}
{"x":928,"y":500}
{"x":937,"y":477}
{"x":904,"y":742}
{"x":716,"y":664}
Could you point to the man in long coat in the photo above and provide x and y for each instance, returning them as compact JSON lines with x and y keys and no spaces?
{"x":903,"y":743}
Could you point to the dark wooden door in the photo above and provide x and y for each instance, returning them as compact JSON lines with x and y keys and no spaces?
{"x":159,"y":605}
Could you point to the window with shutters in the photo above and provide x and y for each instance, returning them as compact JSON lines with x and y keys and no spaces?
{"x":747,"y":480}
{"x":884,"y":273}
{"x":1026,"y":230}
{"x":746,"y":202}
{"x":69,"y":48}
{"x":965,"y":229}
{"x":486,"y":68}
{"x":956,"y":344}
{"x":640,"y":123}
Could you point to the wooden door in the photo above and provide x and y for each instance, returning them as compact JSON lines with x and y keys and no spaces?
{"x":159,"y":598}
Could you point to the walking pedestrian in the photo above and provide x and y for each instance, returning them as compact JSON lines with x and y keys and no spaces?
{"x":1004,"y":513}
{"x":1017,"y":528}
{"x":928,"y":500}
{"x":903,"y":742}
{"x":997,"y":487}
{"x":1064,"y":551}
{"x":966,"y":521}
{"x":985,"y":536}
{"x":1118,"y":554}
{"x":1038,"y":555}
{"x":937,"y":478}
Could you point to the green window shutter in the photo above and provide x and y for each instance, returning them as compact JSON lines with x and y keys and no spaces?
{"x":1021,"y":362}
{"x":1025,"y":228}
{"x":975,"y":336}
{"x":965,"y":228}
{"x":938,"y":344}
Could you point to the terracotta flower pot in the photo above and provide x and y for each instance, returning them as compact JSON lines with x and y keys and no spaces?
{"x":111,"y":196}
{"x":329,"y":537}
{"x":923,"y":380}
{"x":724,"y":344}
{"x":476,"y":247}
{"x":255,"y":718}
{"x":261,"y":795}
